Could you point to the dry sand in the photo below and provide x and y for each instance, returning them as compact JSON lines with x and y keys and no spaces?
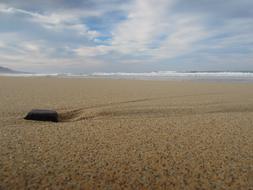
{"x":126,"y":134}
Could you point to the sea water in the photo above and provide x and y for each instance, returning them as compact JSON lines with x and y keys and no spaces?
{"x":159,"y":75}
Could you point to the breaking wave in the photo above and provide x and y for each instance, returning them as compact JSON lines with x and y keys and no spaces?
{"x":192,"y":75}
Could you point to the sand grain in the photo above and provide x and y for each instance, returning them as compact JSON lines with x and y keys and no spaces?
{"x":123,"y":134}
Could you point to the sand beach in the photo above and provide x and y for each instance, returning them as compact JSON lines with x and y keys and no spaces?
{"x":126,"y":134}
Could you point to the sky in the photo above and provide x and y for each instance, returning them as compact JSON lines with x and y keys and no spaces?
{"x":84,"y":36}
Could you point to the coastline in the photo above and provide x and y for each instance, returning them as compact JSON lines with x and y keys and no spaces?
{"x":207,"y":76}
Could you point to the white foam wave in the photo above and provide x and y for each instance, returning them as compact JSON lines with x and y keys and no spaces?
{"x":148,"y":75}
{"x":178,"y":74}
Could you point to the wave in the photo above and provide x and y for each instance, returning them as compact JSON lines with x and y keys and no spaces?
{"x":179,"y":74}
{"x":148,"y":75}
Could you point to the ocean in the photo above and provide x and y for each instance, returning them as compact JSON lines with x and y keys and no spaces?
{"x":159,"y":75}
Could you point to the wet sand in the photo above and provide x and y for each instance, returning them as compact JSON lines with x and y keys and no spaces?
{"x":126,"y":134}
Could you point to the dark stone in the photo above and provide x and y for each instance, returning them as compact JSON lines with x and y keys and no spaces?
{"x":42,"y":115}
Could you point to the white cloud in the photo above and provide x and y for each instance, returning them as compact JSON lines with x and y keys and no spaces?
{"x":57,"y":21}
{"x":31,"y":46}
{"x":40,"y":62}
{"x":86,"y":51}
{"x":236,"y":33}
{"x":144,"y":23}
{"x":185,"y":32}
{"x":2,"y":44}
{"x":153,"y":29}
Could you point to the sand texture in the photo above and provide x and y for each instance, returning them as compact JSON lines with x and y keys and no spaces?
{"x":126,"y":134}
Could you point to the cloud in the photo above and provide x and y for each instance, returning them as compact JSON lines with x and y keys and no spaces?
{"x":182,"y":39}
{"x":56,"y":21}
{"x":144,"y":23}
{"x":35,"y":58}
{"x":92,"y":51}
{"x":216,"y":9}
{"x":153,"y":29}
{"x":2,"y":44}
{"x":130,"y":35}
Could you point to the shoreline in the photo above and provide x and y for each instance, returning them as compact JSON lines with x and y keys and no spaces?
{"x":175,"y":79}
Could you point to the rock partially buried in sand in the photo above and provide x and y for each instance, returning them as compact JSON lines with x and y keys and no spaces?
{"x":42,"y":115}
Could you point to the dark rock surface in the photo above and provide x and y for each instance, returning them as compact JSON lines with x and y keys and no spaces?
{"x":42,"y":115}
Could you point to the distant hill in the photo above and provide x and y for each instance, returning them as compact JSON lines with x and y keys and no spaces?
{"x":5,"y":70}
